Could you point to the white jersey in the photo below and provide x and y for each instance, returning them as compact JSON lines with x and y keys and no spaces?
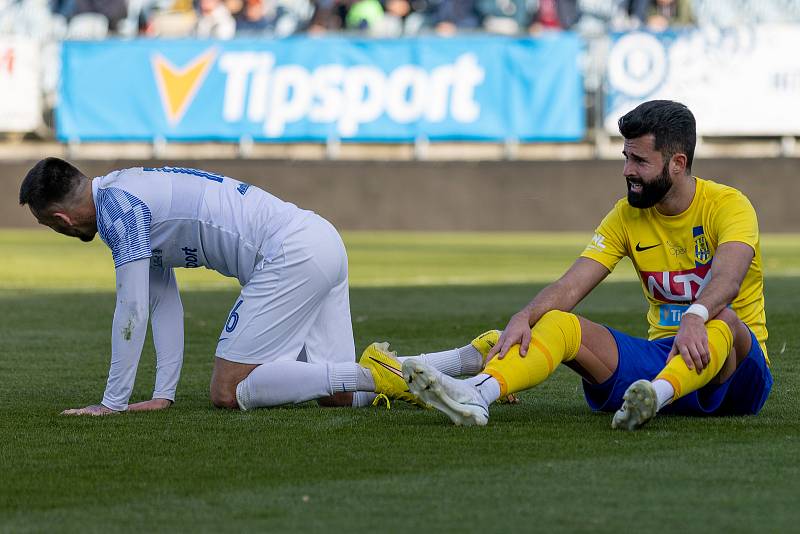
{"x":190,"y":218}
{"x":154,"y":219}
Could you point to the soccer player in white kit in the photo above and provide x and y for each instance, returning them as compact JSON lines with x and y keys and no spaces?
{"x":288,"y":337}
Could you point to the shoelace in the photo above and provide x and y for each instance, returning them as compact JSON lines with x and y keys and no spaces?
{"x":382,"y":399}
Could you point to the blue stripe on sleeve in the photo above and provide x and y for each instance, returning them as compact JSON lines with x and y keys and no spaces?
{"x":123,"y":222}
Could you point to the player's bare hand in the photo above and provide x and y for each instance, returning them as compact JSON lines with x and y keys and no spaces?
{"x":150,"y":405}
{"x":691,"y":342}
{"x":516,"y":332}
{"x":96,"y":409}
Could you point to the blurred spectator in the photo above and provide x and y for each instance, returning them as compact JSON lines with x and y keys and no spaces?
{"x":637,"y":11}
{"x":31,"y":18}
{"x":235,"y":7}
{"x":447,"y":17}
{"x":265,"y":17}
{"x":168,"y":18}
{"x":508,"y":17}
{"x":214,"y":21}
{"x":598,"y":17}
{"x":399,"y":19}
{"x":115,"y":11}
{"x":176,"y":18}
{"x":364,"y":15}
{"x":257,"y":17}
{"x":666,"y":13}
{"x":554,"y":15}
{"x":328,"y":16}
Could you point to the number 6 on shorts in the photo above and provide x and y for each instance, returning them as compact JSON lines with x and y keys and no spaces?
{"x":233,"y":318}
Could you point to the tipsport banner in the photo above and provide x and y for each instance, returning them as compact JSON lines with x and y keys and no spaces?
{"x":297,"y":89}
{"x":737,"y":81}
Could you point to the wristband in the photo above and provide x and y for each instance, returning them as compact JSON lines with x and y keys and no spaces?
{"x":699,"y":310}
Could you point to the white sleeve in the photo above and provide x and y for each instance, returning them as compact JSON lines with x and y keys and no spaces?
{"x":167,"y":323}
{"x":127,"y":331}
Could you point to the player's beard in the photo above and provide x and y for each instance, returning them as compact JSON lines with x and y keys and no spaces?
{"x":652,"y":192}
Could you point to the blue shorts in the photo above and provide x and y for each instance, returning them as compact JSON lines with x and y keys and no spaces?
{"x":743,"y":393}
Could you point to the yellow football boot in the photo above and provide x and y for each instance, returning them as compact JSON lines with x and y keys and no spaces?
{"x":387,"y":374}
{"x":484,"y":343}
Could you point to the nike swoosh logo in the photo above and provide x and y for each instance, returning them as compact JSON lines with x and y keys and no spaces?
{"x":640,"y":248}
{"x":221,"y":339}
{"x":388,"y":367}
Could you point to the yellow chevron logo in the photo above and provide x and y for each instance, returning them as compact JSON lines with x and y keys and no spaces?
{"x":177,"y":86}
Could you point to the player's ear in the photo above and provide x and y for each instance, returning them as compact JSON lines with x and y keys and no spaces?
{"x":677,"y":163}
{"x":63,"y":217}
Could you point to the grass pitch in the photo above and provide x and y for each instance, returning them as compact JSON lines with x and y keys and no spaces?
{"x":546,"y":464}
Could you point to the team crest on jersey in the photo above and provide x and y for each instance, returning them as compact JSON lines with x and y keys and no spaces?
{"x":702,"y":251}
{"x":178,"y":86}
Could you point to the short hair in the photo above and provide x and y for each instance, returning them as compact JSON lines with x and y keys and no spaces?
{"x":671,"y":123}
{"x":50,"y":181}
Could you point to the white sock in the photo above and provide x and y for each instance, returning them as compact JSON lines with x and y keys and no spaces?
{"x":363,"y":398}
{"x":293,"y":382}
{"x":364,"y":380}
{"x":465,"y":360}
{"x":471,"y":360}
{"x":487,"y":385}
{"x":664,"y":392}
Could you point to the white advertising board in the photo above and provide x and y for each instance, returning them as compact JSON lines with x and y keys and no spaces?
{"x":741,"y":81}
{"x":20,"y":92}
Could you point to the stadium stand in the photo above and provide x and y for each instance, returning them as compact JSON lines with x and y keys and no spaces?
{"x":48,"y":23}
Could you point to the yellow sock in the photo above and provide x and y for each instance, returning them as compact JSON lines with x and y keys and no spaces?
{"x":685,"y":380}
{"x":555,"y":338}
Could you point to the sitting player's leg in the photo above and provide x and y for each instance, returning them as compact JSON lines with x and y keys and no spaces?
{"x":728,"y":342}
{"x":557,"y":337}
{"x":385,"y":365}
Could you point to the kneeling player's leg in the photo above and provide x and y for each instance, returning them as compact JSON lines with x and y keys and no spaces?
{"x":296,"y":316}
{"x":224,"y":379}
{"x":330,"y":342}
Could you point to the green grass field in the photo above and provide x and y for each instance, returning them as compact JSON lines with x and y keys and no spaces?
{"x":546,"y":464}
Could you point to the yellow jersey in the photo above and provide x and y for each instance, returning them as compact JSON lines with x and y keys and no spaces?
{"x":673,"y":254}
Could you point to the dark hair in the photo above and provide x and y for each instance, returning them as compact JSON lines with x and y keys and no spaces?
{"x":671,"y":123}
{"x":49,"y":181}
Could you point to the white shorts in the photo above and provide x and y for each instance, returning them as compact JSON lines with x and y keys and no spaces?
{"x":295,"y":307}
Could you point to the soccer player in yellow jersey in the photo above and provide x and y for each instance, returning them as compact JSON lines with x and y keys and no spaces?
{"x":695,"y":245}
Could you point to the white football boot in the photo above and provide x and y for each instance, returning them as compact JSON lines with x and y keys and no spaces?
{"x":461,"y":402}
{"x":641,"y":405}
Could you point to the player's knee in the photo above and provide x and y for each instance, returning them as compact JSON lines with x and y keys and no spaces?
{"x":729,"y":317}
{"x":553,"y":316}
{"x":224,"y":399}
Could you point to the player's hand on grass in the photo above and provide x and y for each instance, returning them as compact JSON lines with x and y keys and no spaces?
{"x":96,"y":409}
{"x":691,"y":342}
{"x":150,"y":405}
{"x":517,"y":332}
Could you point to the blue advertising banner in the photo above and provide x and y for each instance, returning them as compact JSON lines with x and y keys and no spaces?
{"x":297,"y":89}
